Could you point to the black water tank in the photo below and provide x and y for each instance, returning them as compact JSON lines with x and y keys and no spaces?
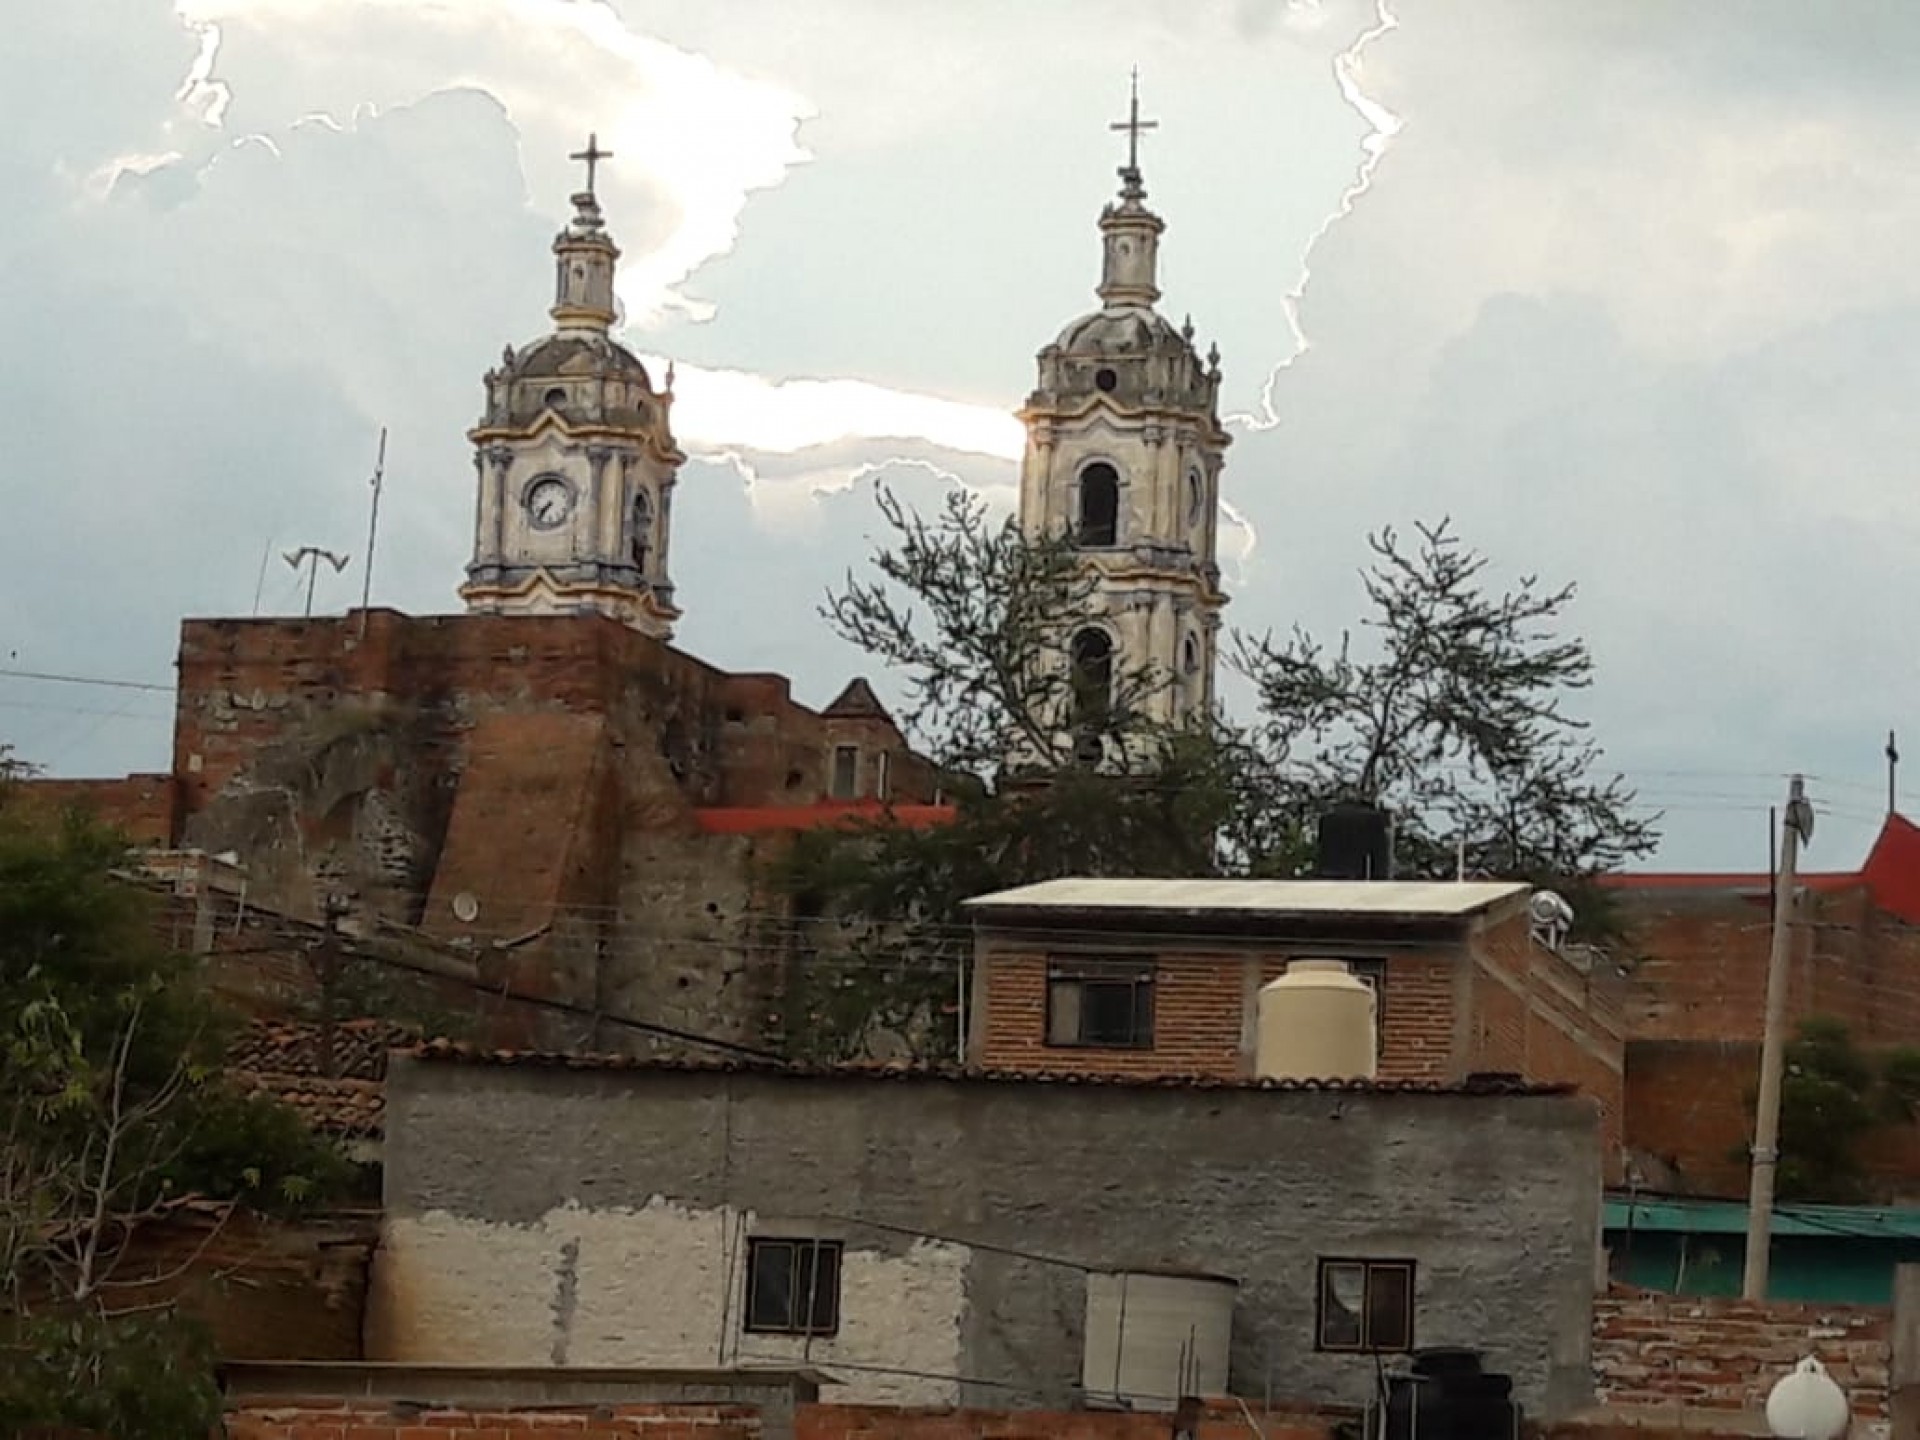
{"x":1355,"y":843}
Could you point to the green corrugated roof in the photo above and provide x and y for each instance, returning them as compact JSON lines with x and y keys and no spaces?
{"x":1727,"y":1217}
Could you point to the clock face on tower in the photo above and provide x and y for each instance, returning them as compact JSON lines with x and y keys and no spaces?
{"x":549,"y":502}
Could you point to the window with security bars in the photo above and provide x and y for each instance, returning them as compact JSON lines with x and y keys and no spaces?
{"x":1103,"y":1004}
{"x":1365,"y":1306}
{"x":793,"y":1287}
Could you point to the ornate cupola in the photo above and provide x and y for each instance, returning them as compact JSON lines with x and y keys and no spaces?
{"x":575,"y":455}
{"x":1124,"y":453}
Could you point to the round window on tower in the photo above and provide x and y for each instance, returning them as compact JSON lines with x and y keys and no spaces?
{"x":555,"y":398}
{"x":1105,"y":378}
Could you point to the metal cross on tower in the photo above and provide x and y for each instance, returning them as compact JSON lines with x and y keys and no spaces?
{"x":593,"y":155}
{"x":1133,"y":125}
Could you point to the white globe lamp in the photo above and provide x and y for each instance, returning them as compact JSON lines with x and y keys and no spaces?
{"x":1807,"y":1405}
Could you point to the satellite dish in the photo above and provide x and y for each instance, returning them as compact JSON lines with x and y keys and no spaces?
{"x":466,"y":909}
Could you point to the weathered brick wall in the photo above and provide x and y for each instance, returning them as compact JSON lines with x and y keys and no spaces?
{"x":143,"y":806}
{"x":1202,"y":1021}
{"x":524,"y":786}
{"x":1534,"y":1014}
{"x":1702,"y":974}
{"x":388,"y":1420}
{"x":1651,"y":1349}
{"x":1219,"y":1420}
{"x":1689,"y":1122}
{"x":1198,"y":1004}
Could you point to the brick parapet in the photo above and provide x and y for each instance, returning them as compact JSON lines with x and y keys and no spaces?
{"x":1726,"y":1355}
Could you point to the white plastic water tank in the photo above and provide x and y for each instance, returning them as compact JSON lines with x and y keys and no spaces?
{"x":1154,"y":1337}
{"x":1316,"y":1023}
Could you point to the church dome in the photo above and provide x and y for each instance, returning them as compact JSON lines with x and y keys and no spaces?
{"x":558,"y":357}
{"x":1120,"y":330}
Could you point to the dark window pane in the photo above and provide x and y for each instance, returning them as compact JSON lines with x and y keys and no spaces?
{"x":1343,"y":1296}
{"x":1109,"y":1013}
{"x":820,"y":1287}
{"x":770,"y":1276}
{"x":1389,"y":1307}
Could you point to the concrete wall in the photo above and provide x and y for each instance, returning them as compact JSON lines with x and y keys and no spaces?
{"x":545,"y":1215}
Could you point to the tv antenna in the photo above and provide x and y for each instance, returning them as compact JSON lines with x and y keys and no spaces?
{"x":311,"y":556}
{"x":373,"y":527}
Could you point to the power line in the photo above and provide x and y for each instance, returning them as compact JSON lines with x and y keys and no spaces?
{"x":86,"y":680}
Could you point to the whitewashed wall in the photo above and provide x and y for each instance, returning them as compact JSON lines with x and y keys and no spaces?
{"x":659,"y":1286}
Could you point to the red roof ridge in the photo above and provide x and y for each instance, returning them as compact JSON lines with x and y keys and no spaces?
{"x":759,"y":819}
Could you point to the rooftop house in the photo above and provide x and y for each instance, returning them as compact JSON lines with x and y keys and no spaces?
{"x":1147,"y":978}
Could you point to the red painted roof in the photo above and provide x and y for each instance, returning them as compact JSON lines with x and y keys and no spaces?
{"x":765,"y":819}
{"x":1891,"y":875}
{"x":1892,"y":871}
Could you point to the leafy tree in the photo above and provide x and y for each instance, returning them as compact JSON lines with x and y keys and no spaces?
{"x":1455,"y":726}
{"x":1832,"y":1097}
{"x":880,"y":936}
{"x":968,"y":612}
{"x":112,"y":1110}
{"x":1452,"y":720}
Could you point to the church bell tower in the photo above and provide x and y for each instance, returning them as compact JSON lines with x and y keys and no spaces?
{"x":1124,"y":452}
{"x":575,"y":456}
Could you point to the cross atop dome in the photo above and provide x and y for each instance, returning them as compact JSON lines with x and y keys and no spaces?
{"x":592,"y":155}
{"x":1133,"y":125}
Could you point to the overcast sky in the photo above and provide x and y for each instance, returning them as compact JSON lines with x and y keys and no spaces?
{"x":1628,"y":294}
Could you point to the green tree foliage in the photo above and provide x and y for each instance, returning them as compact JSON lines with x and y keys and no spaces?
{"x":112,"y":1109}
{"x":1451,"y":719}
{"x":1833,"y":1096}
{"x":880,"y":935}
{"x":964,"y":611}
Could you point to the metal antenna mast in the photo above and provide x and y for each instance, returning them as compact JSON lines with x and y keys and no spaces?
{"x":311,"y":556}
{"x":373,"y":527}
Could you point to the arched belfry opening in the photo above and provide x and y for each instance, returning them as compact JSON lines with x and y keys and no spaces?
{"x":1099,"y":520}
{"x":1092,"y":673}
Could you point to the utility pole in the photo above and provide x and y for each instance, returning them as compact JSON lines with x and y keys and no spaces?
{"x":373,"y":529}
{"x":327,"y":970}
{"x":1797,"y":826}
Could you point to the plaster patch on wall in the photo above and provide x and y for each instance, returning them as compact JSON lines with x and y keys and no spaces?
{"x":659,"y":1286}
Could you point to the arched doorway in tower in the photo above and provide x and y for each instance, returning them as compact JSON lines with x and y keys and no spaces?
{"x":1099,"y":520}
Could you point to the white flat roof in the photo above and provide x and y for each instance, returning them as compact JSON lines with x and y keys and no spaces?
{"x":1414,"y":899}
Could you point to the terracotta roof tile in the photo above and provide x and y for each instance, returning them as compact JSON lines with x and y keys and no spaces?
{"x":447,"y":1051}
{"x":348,"y":1109}
{"x":292,"y":1047}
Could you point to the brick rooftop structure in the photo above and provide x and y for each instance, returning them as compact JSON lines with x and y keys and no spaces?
{"x":1461,"y":985}
{"x":1694,"y":1004}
